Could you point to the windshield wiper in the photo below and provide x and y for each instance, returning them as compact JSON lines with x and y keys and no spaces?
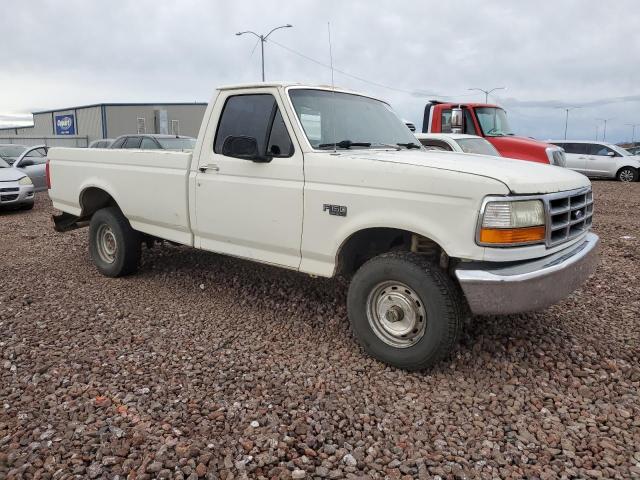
{"x":408,"y":146}
{"x":344,"y":144}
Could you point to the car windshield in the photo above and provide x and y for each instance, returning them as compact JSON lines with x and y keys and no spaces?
{"x":350,"y":121}
{"x":477,"y":145}
{"x":493,"y":121}
{"x":623,"y":151}
{"x":177,"y":143}
{"x":4,"y":164}
{"x":11,"y":150}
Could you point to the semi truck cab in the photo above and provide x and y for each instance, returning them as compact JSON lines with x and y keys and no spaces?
{"x":491,"y":122}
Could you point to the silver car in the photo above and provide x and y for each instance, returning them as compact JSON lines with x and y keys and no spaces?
{"x":9,"y":152}
{"x":16,"y":188}
{"x":33,"y":162}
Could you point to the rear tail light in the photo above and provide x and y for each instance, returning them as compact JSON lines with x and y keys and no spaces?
{"x":48,"y":175}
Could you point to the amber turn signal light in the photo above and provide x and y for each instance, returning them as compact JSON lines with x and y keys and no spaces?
{"x":512,"y":235}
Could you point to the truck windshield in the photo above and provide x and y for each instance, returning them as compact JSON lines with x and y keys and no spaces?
{"x":350,"y":121}
{"x":477,"y":145}
{"x":493,"y":121}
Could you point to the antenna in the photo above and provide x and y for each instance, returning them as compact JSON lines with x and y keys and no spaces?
{"x":333,"y":89}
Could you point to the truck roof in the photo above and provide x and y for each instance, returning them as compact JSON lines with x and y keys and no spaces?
{"x":466,"y":104}
{"x":285,"y":84}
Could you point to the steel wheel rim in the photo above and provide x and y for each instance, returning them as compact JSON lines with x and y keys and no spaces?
{"x":107,"y":245}
{"x":626,"y":176}
{"x":396,"y":314}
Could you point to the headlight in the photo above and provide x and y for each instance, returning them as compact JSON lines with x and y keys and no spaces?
{"x":515,"y":222}
{"x":556,"y":157}
{"x":25,"y":181}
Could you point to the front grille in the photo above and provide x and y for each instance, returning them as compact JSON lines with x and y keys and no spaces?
{"x":559,"y":158}
{"x":3,"y":190}
{"x":8,"y":198}
{"x":569,"y":214}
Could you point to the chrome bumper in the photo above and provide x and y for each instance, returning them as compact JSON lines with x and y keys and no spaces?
{"x":494,"y":288}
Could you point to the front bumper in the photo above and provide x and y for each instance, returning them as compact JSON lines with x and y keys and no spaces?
{"x":494,"y":288}
{"x":12,"y":193}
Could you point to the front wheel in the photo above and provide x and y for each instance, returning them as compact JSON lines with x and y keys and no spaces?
{"x":404,"y":310}
{"x":627,"y":174}
{"x":113,"y":245}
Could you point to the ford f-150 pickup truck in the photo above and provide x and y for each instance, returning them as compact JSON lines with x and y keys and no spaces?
{"x":330,"y":182}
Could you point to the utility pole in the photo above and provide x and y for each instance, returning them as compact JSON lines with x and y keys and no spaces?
{"x":604,"y":132}
{"x":597,"y":131}
{"x":633,"y":130}
{"x":487,"y":92}
{"x":566,"y":118}
{"x":262,"y":39}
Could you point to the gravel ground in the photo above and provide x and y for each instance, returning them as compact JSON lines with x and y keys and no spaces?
{"x":203,"y":366}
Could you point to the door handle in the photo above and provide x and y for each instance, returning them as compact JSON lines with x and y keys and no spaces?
{"x":210,"y":166}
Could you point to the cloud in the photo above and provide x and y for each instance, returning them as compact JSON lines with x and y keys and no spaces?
{"x":562,"y":53}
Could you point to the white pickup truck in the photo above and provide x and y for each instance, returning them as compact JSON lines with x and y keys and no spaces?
{"x":330,"y":182}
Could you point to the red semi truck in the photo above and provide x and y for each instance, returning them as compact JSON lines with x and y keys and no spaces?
{"x":490,"y":122}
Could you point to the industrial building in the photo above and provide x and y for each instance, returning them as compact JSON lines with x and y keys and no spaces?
{"x":79,"y":126}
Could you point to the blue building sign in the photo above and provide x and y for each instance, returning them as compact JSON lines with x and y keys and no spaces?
{"x":65,"y":124}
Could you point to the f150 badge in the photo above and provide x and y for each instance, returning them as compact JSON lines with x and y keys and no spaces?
{"x":337,"y":210}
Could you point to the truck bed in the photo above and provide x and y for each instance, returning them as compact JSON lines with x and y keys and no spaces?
{"x":151,"y":186}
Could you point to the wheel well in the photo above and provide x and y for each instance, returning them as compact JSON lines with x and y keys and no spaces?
{"x":623,"y":167}
{"x":368,"y":243}
{"x":93,"y":199}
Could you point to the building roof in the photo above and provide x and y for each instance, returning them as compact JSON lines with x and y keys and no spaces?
{"x":157,"y":104}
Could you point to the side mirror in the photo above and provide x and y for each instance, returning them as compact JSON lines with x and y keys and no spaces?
{"x":457,"y":125}
{"x":25,"y":163}
{"x":245,"y":148}
{"x":611,"y":154}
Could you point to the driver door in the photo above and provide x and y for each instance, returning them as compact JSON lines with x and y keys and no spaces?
{"x":33,"y":164}
{"x":246,"y":208}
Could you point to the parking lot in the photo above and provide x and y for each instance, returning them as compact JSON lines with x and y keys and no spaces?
{"x":204,"y":366}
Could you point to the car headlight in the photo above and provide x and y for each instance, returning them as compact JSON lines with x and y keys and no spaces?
{"x":25,"y":181}
{"x":514,"y":222}
{"x":556,"y":157}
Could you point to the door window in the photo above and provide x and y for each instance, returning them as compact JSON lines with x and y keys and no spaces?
{"x":445,"y":119}
{"x":574,"y":148}
{"x":149,"y":144}
{"x":133,"y":142}
{"x":469,"y":126}
{"x":37,"y":156}
{"x":599,"y":150}
{"x":118,"y":143}
{"x":254,"y":116}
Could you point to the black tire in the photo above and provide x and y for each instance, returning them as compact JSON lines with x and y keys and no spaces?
{"x":627,"y":174}
{"x":432,"y":292}
{"x":125,"y":256}
{"x":27,"y":206}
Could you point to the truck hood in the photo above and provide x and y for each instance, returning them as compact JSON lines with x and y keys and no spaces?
{"x":520,"y":176}
{"x":10,"y":174}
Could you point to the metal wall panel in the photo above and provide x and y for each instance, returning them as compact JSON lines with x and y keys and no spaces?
{"x":89,"y":122}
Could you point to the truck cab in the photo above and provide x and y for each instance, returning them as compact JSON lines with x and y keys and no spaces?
{"x":491,"y":122}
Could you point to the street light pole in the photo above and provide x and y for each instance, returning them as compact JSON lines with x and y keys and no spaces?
{"x":633,"y":130}
{"x":566,"y":118}
{"x":262,"y":39}
{"x":604,"y":132}
{"x":487,"y":92}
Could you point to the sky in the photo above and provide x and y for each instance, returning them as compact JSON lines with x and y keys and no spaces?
{"x":546,"y":53}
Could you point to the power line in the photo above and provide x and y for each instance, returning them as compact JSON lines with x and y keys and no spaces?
{"x":362,"y":79}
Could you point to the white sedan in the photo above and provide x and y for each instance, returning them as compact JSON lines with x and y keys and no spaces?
{"x":457,"y":142}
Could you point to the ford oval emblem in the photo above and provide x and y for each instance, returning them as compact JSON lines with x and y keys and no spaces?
{"x":578,"y":214}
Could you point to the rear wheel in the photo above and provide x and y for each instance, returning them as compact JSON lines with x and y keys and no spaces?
{"x":404,"y":310}
{"x":113,"y":245}
{"x":627,"y":174}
